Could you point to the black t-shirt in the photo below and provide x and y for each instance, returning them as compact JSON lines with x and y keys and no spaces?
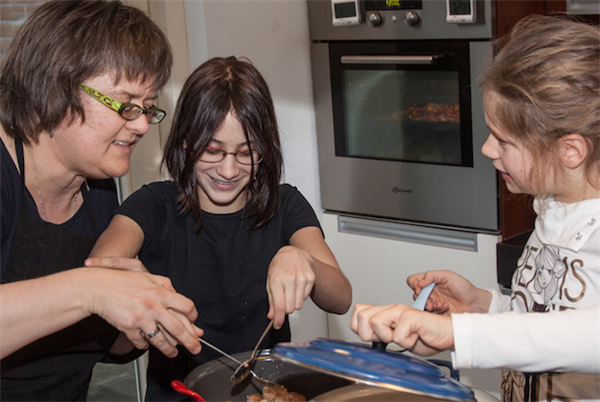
{"x":222,"y":269}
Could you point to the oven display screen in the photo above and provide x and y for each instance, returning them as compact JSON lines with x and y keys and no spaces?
{"x":345,"y":10}
{"x":383,"y":5}
{"x":460,"y":7}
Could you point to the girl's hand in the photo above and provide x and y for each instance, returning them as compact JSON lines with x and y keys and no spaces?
{"x":420,"y":332}
{"x":289,"y":282}
{"x":452,"y":293}
{"x":140,"y":303}
{"x":128,"y":264}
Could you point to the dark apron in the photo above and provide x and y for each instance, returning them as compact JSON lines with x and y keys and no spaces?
{"x":59,"y":366}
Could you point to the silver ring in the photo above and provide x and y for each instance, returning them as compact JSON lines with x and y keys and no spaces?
{"x":152,"y":334}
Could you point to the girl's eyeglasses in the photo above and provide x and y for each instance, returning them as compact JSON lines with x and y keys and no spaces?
{"x":128,"y":111}
{"x":215,"y":155}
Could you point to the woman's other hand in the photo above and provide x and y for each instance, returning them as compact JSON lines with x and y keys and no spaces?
{"x":420,"y":332}
{"x":452,"y":293}
{"x":140,"y":304}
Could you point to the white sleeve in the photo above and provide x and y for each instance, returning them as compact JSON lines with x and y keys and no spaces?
{"x":555,"y":341}
{"x":500,"y":303}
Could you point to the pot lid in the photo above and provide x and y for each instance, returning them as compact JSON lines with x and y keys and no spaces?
{"x":376,"y":367}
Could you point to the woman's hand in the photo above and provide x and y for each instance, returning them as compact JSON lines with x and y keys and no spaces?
{"x":420,"y":332}
{"x":452,"y":293}
{"x":139,"y":304}
{"x":289,"y":282}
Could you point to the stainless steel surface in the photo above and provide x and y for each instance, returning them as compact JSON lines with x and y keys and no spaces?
{"x":390,"y":59}
{"x":432,"y":24}
{"x":366,"y":393}
{"x":404,"y":190}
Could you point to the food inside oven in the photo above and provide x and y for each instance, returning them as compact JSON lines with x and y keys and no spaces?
{"x":433,"y":112}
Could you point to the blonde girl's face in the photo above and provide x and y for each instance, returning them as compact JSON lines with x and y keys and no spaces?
{"x":223,"y":186}
{"x":510,"y":158}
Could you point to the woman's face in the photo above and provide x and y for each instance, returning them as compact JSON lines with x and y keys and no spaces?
{"x":222,"y":186}
{"x":101,"y":146}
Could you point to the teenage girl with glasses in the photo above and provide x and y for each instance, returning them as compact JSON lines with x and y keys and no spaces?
{"x":542,"y":105}
{"x":245,"y":248}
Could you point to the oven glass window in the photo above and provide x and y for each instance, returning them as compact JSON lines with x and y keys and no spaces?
{"x":411,"y":116}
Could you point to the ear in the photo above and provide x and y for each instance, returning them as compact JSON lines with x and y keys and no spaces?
{"x":573,"y":150}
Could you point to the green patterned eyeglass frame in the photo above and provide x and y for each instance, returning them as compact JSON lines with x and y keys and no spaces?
{"x":128,"y":111}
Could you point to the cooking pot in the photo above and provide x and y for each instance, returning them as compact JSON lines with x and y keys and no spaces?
{"x":326,"y":370}
{"x":211,"y":380}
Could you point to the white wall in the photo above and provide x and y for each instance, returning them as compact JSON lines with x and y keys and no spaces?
{"x":273,"y":34}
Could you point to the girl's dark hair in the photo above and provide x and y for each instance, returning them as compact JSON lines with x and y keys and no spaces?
{"x":544,"y":84}
{"x":62,"y":44}
{"x":217,"y":87}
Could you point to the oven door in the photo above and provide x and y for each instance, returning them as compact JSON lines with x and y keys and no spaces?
{"x":400,"y":126}
{"x":404,"y":101}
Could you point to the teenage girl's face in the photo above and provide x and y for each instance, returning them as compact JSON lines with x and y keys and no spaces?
{"x":223,"y":186}
{"x":510,"y":158}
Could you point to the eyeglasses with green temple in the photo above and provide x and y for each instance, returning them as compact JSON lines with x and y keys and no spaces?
{"x":128,"y":111}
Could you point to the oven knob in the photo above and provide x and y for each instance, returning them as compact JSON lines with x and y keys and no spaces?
{"x":374,"y":19}
{"x":411,"y":19}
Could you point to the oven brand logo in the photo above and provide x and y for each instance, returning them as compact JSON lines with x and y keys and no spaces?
{"x":401,"y":190}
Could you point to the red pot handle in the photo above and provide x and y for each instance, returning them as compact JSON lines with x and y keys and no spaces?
{"x":179,"y":387}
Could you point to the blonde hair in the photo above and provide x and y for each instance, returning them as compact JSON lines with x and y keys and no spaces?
{"x":544,"y":84}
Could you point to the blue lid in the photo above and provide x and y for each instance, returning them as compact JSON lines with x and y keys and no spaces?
{"x":375,"y":367}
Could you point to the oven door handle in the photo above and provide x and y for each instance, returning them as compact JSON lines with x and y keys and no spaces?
{"x":390,"y":59}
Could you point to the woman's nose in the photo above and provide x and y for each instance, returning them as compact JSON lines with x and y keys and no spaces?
{"x":139,"y":125}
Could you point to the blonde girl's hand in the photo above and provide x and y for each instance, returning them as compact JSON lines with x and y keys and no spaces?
{"x":419,"y":332}
{"x":290,"y":281}
{"x":452,"y":293}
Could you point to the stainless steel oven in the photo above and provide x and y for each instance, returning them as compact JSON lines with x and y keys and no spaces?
{"x":400,"y":122}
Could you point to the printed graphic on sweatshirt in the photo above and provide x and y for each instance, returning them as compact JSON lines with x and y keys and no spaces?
{"x":546,"y":280}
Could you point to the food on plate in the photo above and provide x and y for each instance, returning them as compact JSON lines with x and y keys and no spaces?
{"x":431,"y":112}
{"x":276,"y":394}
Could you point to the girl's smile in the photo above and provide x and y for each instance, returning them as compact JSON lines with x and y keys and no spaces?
{"x":223,"y":186}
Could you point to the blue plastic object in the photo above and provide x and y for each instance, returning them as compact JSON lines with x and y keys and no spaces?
{"x":375,"y":367}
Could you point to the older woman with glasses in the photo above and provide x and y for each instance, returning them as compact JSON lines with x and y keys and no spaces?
{"x":77,"y":92}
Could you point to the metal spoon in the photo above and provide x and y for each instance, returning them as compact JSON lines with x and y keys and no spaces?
{"x":245,"y":368}
{"x":256,"y":377}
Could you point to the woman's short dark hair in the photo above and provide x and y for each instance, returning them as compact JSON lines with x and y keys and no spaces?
{"x":66,"y":42}
{"x":217,"y":87}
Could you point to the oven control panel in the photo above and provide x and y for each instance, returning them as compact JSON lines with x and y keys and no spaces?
{"x":400,"y":19}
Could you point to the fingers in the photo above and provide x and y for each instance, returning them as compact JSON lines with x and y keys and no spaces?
{"x":373,"y":323}
{"x":144,"y":307}
{"x":129,"y":264}
{"x":290,"y":282}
